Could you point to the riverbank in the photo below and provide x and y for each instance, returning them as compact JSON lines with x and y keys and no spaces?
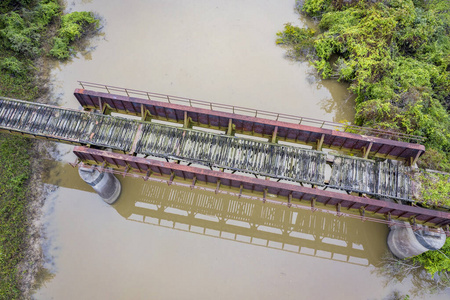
{"x":32,"y":35}
{"x":395,"y":57}
{"x":395,"y":54}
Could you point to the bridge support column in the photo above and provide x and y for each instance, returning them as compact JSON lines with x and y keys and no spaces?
{"x":404,"y":242}
{"x":104,"y":183}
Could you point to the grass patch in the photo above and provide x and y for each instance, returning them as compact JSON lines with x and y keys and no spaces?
{"x":14,"y":172}
{"x":29,"y":31}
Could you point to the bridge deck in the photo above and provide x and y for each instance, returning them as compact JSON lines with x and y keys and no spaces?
{"x":66,"y":125}
{"x":228,"y":152}
{"x":386,"y":179}
{"x":316,"y":133}
{"x":126,"y":135}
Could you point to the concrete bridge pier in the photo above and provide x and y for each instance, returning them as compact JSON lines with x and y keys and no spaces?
{"x":104,"y":183}
{"x":404,"y":242}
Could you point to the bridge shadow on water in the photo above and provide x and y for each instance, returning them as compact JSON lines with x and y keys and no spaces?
{"x":241,"y":220}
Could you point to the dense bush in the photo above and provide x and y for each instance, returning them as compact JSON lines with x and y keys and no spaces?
{"x":395,"y":54}
{"x":20,"y":36}
{"x":21,"y":30}
{"x":435,"y":191}
{"x":436,"y":262}
{"x":13,"y":66}
{"x":45,"y":11}
{"x":8,"y":5}
{"x":72,"y":27}
{"x":24,"y":25}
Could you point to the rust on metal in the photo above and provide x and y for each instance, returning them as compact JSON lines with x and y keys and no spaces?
{"x":326,"y":134}
{"x":284,"y":190}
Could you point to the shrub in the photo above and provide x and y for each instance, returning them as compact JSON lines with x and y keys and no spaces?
{"x":436,"y":261}
{"x":435,"y":189}
{"x":45,"y":12}
{"x":13,"y":66}
{"x":315,"y":7}
{"x":60,"y":49}
{"x":19,"y":36}
{"x":73,"y":25}
{"x":395,"y":54}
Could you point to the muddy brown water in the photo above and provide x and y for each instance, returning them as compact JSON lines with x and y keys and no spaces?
{"x":161,"y":242}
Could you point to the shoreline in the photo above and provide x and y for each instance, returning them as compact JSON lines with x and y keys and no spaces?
{"x":26,"y":76}
{"x":32,"y":265}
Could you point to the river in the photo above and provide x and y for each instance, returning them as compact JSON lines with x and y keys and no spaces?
{"x":161,"y":242}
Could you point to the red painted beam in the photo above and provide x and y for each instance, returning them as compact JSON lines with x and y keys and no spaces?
{"x":146,"y":166}
{"x":244,"y":124}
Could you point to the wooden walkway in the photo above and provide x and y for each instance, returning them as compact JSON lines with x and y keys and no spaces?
{"x":65,"y":125}
{"x":384,"y":179}
{"x":131,"y":136}
{"x":228,"y":152}
{"x":388,"y":178}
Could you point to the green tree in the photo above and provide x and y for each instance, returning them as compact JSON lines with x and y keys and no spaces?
{"x":73,"y":25}
{"x":395,"y":54}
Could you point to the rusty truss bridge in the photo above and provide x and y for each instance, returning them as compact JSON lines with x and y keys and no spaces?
{"x":202,"y":142}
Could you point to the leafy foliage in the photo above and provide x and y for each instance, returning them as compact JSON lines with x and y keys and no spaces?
{"x":395,"y":54}
{"x":393,"y":269}
{"x":45,"y":12}
{"x":19,"y":36}
{"x":7,"y":5}
{"x":22,"y":27}
{"x":24,"y":24}
{"x":72,"y":27}
{"x":299,"y":39}
{"x":436,"y":262}
{"x":60,"y":48}
{"x":435,"y":189}
{"x":13,"y":66}
{"x":315,"y":7}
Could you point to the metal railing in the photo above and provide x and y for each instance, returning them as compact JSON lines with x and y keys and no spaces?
{"x":255,"y":113}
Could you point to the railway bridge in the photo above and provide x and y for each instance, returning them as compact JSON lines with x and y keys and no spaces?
{"x":290,"y":159}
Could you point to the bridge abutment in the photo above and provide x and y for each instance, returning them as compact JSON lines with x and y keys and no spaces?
{"x":404,"y":242}
{"x":104,"y":183}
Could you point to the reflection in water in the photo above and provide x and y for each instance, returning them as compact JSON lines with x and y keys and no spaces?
{"x":392,"y":269}
{"x":241,"y":220}
{"x":42,"y":277}
{"x":247,"y":221}
{"x":342,"y":110}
